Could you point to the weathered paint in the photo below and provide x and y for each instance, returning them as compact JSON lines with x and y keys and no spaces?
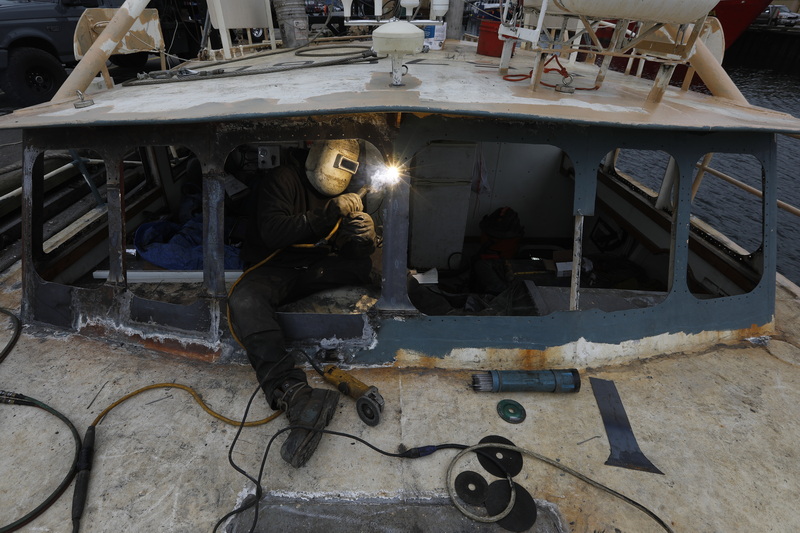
{"x":455,"y":97}
{"x":579,"y":354}
{"x":144,"y":33}
{"x":454,"y":83}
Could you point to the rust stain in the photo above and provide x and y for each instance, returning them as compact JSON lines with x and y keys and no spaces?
{"x":425,"y":361}
{"x":533,"y":359}
{"x":524,"y":359}
{"x":756,"y":331}
{"x":194,"y":352}
{"x":171,"y":347}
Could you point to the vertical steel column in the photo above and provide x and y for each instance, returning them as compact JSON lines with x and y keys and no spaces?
{"x":577,"y":259}
{"x":769,"y":186}
{"x":115,"y":200}
{"x":394,"y":288}
{"x":585,"y":160}
{"x":214,"y":233}
{"x":32,"y":223}
{"x":679,"y":236}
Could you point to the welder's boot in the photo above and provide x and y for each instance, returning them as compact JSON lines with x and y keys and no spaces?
{"x":304,"y":406}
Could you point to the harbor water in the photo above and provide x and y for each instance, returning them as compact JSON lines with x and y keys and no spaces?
{"x":781,"y":92}
{"x":734,"y":212}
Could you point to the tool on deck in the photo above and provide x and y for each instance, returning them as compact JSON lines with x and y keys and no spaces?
{"x":566,"y":380}
{"x":625,"y":451}
{"x":511,"y":411}
{"x":369,"y":402}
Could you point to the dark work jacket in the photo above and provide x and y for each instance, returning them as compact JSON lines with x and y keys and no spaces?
{"x":288,"y":211}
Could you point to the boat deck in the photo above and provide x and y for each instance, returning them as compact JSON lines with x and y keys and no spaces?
{"x":452,"y":80}
{"x":719,"y":424}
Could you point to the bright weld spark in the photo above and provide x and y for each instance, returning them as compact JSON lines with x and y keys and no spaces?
{"x":385,"y":177}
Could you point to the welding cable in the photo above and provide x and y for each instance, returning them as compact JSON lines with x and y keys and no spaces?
{"x":424,"y":451}
{"x":355,"y":58}
{"x":256,"y":482}
{"x":14,"y":336}
{"x":451,"y":489}
{"x":411,"y":453}
{"x":263,"y":262}
{"x":87,"y":451}
{"x":314,"y":364}
{"x":312,"y":52}
{"x":265,"y":53}
{"x":12,"y":398}
{"x":194,"y":394}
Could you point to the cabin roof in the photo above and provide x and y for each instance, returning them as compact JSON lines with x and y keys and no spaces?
{"x":454,"y":80}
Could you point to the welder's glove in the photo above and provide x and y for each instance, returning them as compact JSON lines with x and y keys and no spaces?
{"x":344,"y":204}
{"x":356,"y":235}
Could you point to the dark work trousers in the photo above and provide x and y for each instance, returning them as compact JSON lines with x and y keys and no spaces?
{"x":277,"y":282}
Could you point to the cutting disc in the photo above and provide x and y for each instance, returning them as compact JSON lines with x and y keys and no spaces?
{"x":511,"y":411}
{"x":471,"y":487}
{"x":499,"y":461}
{"x":522,"y":515}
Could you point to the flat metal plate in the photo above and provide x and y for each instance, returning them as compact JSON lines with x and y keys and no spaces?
{"x":625,"y":451}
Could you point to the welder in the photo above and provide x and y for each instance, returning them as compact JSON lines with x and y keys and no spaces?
{"x":298,"y":206}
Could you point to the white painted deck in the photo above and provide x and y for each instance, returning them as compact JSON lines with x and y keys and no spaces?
{"x":452,"y":80}
{"x":720,"y":425}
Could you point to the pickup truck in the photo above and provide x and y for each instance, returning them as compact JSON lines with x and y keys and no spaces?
{"x":36,"y":42}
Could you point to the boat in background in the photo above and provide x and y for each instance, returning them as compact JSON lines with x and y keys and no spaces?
{"x":737,"y":15}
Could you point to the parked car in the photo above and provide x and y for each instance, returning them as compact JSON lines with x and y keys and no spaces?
{"x":778,"y":15}
{"x":36,"y":42}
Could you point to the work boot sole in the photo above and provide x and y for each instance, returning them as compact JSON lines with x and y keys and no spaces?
{"x":301,"y":443}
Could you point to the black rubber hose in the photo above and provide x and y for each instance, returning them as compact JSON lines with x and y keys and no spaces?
{"x":82,"y":478}
{"x":20,"y":399}
{"x":13,"y":398}
{"x":14,"y":337}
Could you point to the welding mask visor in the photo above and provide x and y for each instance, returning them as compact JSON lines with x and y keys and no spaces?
{"x":331,"y":164}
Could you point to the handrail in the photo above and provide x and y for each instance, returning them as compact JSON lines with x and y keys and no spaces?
{"x":752,"y":190}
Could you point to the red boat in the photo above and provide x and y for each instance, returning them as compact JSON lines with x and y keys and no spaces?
{"x":736,"y":15}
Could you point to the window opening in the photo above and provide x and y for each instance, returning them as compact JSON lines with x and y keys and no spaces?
{"x":726,"y":209}
{"x":74,"y":213}
{"x":490,"y":228}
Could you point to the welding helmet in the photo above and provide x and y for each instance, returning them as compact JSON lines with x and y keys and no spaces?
{"x":331,"y":164}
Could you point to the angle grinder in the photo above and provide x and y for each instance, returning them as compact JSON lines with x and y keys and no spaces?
{"x":369,"y":402}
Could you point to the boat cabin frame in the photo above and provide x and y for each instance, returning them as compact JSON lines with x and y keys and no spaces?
{"x":394,"y":331}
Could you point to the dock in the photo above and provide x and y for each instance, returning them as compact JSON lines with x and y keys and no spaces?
{"x":772,"y":47}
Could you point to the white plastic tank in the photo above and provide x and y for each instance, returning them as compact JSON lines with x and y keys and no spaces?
{"x":439,"y":8}
{"x":670,"y":11}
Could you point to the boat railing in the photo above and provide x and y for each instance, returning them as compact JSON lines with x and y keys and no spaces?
{"x":663,"y":197}
{"x":703,"y":169}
